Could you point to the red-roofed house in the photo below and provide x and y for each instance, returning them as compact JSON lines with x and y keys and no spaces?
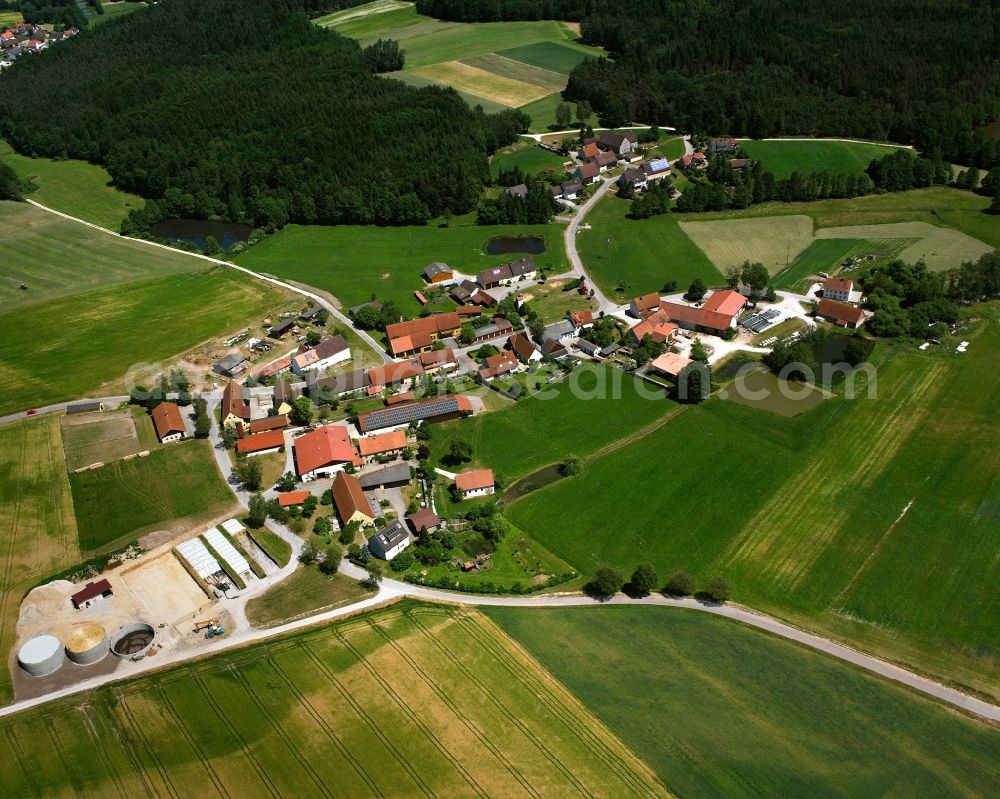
{"x":235,"y":407}
{"x":349,"y":499}
{"x":588,"y":173}
{"x":670,"y":364}
{"x":581,"y":320}
{"x":271,"y":441}
{"x":168,"y":422}
{"x":288,"y":498}
{"x":91,"y":593}
{"x":324,"y":452}
{"x":499,"y":364}
{"x":657,"y":325}
{"x":371,"y":447}
{"x":589,"y":151}
{"x":840,"y":313}
{"x":478,"y":483}
{"x":726,"y":302}
{"x":835,"y":288}
{"x":393,"y":373}
{"x":641,"y":306}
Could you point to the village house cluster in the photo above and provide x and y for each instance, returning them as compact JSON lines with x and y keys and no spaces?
{"x":25,"y":38}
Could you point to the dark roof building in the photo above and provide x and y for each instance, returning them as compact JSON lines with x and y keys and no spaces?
{"x":231,"y":365}
{"x":91,"y":591}
{"x":281,"y":328}
{"x":436,"y":408}
{"x":393,"y":476}
{"x":520,"y":191}
{"x":423,"y":519}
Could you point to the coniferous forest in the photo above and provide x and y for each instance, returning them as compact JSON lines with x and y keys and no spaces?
{"x":247,"y":111}
{"x":923,"y":72}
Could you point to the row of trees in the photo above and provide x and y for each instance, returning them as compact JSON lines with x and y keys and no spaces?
{"x":60,"y":13}
{"x":535,"y":209}
{"x":262,"y":122}
{"x":608,"y":581}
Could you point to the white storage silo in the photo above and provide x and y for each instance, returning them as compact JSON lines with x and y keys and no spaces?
{"x":40,"y":656}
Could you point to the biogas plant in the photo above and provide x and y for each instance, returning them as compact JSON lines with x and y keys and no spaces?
{"x":85,"y":645}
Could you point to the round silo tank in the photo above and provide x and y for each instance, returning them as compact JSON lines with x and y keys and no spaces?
{"x":87,"y":644}
{"x":40,"y":656}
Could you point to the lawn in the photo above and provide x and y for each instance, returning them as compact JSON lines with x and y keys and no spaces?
{"x":531,"y":159}
{"x":83,"y":345}
{"x":592,"y":408}
{"x":74,"y":187}
{"x":305,"y":593}
{"x":940,"y":248}
{"x":873,"y":520}
{"x":728,"y":711}
{"x":782,"y":158}
{"x":101,"y":437}
{"x":407,"y":701}
{"x":352,"y":262}
{"x":644,"y":253}
{"x":552,"y":304}
{"x":828,"y":255}
{"x":37,"y":527}
{"x":55,"y":257}
{"x":175,"y":487}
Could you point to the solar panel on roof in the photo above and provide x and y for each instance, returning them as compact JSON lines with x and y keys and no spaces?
{"x":404,"y":414}
{"x":659,"y":163}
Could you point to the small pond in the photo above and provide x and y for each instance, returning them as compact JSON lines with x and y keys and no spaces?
{"x":503,"y":245}
{"x":195,"y":231}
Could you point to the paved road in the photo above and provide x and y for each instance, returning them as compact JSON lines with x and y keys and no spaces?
{"x":319,"y":300}
{"x":569,"y":237}
{"x":109,"y":402}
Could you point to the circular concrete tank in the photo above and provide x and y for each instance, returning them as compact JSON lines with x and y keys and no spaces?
{"x":40,"y":656}
{"x":133,"y":641}
{"x":87,"y":644}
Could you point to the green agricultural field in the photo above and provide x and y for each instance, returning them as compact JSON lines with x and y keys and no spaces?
{"x":939,"y":247}
{"x":352,"y":262}
{"x":645,"y":253}
{"x":773,"y":241}
{"x":832,"y":519}
{"x":815,"y":155}
{"x":828,"y":255}
{"x":55,"y":257}
{"x":101,"y":437}
{"x":176,"y":486}
{"x":728,"y":711}
{"x":413,"y":79}
{"x":100,"y":335}
{"x":74,"y":187}
{"x":8,"y":18}
{"x":531,"y":159}
{"x":592,"y":408}
{"x":543,"y":113}
{"x":409,"y":701}
{"x":518,"y":70}
{"x":37,"y":527}
{"x":305,"y":593}
{"x":552,"y":55}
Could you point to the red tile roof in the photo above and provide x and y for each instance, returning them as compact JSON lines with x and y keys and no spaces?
{"x":288,"y":498}
{"x":394,"y":373}
{"x":349,"y":497}
{"x":90,"y":591}
{"x":728,"y":302}
{"x":322,"y":447}
{"x":686,"y":314}
{"x":382,"y":442}
{"x":588,"y":170}
{"x":590,"y":150}
{"x":437,"y":324}
{"x":670,"y":363}
{"x":581,"y":318}
{"x":840,"y":312}
{"x":499,"y":364}
{"x":469,"y":481}
{"x":837,"y":284}
{"x":270,"y":423}
{"x":233,"y":402}
{"x":167,"y":419}
{"x":395,"y":399}
{"x":646,"y":302}
{"x":261,"y":442}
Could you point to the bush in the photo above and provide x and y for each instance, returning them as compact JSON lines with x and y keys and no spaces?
{"x":308,"y":553}
{"x":606,"y":583}
{"x":680,"y":584}
{"x":401,"y":562}
{"x":719,"y":589}
{"x":643,"y":581}
{"x":322,"y":526}
{"x":332,"y":555}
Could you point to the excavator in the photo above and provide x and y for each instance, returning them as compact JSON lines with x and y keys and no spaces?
{"x":206,"y":624}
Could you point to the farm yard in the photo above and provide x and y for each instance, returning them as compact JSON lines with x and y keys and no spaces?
{"x":829,"y":519}
{"x":752,"y":715}
{"x":644,"y":254}
{"x":411,"y":700}
{"x":101,"y":334}
{"x":353,"y":262}
{"x":783,"y":157}
{"x":174,"y":487}
{"x":37,"y":526}
{"x":55,"y":257}
{"x":493,"y":64}
{"x":74,"y":187}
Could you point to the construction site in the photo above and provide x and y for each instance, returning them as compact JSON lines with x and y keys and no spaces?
{"x":173,"y":596}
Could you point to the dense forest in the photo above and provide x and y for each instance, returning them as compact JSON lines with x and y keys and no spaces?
{"x":247,"y":111}
{"x":925,"y":72}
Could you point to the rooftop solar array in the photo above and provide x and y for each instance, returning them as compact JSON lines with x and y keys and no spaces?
{"x":757,"y":322}
{"x":227,"y":551}
{"x":195,"y":553}
{"x":659,"y":164}
{"x":405,"y":414}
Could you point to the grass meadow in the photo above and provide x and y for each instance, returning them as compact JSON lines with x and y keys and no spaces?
{"x":352,"y":262}
{"x":9,"y":17}
{"x":782,"y":158}
{"x":37,"y":527}
{"x":828,"y":255}
{"x":871,"y":520}
{"x":306,"y":592}
{"x":83,"y":345}
{"x":407,"y":701}
{"x":543,"y":113}
{"x":529,"y":157}
{"x":55,"y":257}
{"x":728,"y":711}
{"x":578,"y":415}
{"x":74,"y":187}
{"x":645,"y":253}
{"x":115,"y":10}
{"x":173,"y":487}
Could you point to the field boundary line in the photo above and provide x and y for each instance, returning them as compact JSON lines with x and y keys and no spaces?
{"x":453,"y":706}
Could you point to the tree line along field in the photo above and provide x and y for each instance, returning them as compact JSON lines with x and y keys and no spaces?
{"x":37,"y":528}
{"x":497,"y":65}
{"x":872,"y":520}
{"x":354,"y":262}
{"x":55,"y":257}
{"x":782,"y":157}
{"x":82,"y":345}
{"x":408,"y":701}
{"x":729,"y":711}
{"x":173,"y":487}
{"x":76,"y":188}
{"x":594,"y":407}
